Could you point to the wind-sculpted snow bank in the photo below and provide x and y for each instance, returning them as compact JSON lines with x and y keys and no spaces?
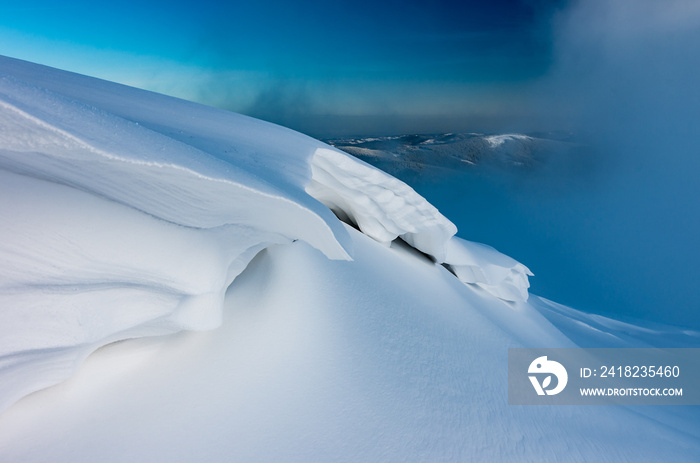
{"x":382,"y":206}
{"x":118,"y":222}
{"x":385,"y":208}
{"x":483,"y":266}
{"x":128,"y":214}
{"x":79,"y":272}
{"x":49,"y":136}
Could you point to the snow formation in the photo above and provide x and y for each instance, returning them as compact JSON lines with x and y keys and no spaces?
{"x":128,"y":213}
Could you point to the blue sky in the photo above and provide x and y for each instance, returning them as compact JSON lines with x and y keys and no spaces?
{"x":302,"y":62}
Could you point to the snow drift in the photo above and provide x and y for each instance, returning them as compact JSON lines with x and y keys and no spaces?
{"x":127,"y":213}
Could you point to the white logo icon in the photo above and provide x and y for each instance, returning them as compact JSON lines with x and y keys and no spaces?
{"x":550,"y":367}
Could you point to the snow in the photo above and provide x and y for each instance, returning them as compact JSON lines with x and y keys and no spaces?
{"x":71,"y":157}
{"x":254,"y":324}
{"x":116,"y":230}
{"x":482,"y":265}
{"x":382,"y":206}
{"x":316,"y":361}
{"x":385,"y":209}
{"x":95,"y":149}
{"x":497,"y":140}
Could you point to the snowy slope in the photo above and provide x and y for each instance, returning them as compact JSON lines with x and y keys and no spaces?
{"x":316,"y":361}
{"x":127,"y":214}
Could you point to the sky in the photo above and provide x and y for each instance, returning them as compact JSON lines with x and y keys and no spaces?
{"x":317,"y":66}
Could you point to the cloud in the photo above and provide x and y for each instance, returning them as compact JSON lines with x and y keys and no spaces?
{"x":282,"y":101}
{"x":626,"y":74}
{"x":612,"y":58}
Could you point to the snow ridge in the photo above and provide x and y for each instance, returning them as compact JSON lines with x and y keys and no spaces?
{"x":385,"y":208}
{"x":123,"y":216}
{"x":97,"y":151}
{"x":382,"y":206}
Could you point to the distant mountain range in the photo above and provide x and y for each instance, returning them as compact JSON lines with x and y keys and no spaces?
{"x":457,"y":151}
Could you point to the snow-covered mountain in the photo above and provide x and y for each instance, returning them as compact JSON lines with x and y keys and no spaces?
{"x":275,"y":299}
{"x":432,"y":155}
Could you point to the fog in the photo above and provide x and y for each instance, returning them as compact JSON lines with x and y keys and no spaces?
{"x":626,"y":78}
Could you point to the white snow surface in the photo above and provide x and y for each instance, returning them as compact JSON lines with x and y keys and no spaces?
{"x":135,"y":217}
{"x":497,"y":140}
{"x":487,"y":268}
{"x":382,"y":206}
